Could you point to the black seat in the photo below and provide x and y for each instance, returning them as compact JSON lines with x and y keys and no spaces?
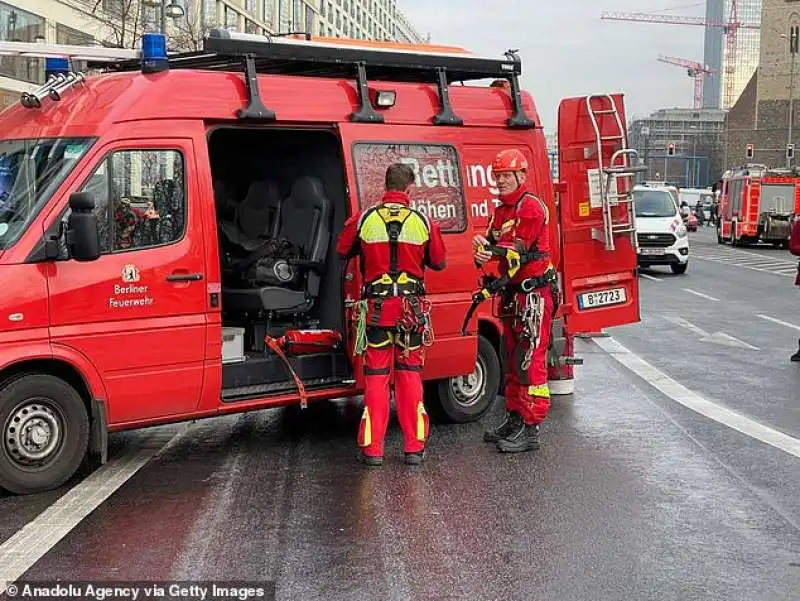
{"x":257,"y":217}
{"x":305,"y":221}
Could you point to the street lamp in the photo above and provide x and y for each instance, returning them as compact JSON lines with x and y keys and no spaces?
{"x":793,"y":47}
{"x":694,"y":133}
{"x":173,"y":10}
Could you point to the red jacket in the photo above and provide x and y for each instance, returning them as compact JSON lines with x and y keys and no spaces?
{"x":522,"y":222}
{"x":369,"y":240}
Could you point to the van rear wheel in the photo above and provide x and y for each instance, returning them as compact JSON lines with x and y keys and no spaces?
{"x":467,"y":398}
{"x":45,"y":431}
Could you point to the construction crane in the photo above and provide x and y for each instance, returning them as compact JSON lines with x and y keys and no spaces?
{"x":729,"y":29}
{"x":695,"y":70}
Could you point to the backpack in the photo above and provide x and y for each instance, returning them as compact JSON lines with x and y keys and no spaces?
{"x":794,"y":237}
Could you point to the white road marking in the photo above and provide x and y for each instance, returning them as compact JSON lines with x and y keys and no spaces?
{"x":727,"y":340}
{"x":700,"y":294}
{"x":692,"y":400}
{"x":715,"y":338}
{"x":785,"y":324}
{"x":650,"y":277}
{"x":37,"y":537}
{"x":680,"y":321}
{"x":744,"y":266}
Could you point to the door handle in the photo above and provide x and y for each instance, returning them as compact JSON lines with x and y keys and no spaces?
{"x":185,"y":277}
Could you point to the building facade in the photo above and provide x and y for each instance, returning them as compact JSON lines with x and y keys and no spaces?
{"x":122,"y":22}
{"x":761,"y":116}
{"x":697,"y":138}
{"x":747,"y":50}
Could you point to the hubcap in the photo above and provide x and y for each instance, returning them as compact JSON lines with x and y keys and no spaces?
{"x":467,"y":390}
{"x":32,"y":433}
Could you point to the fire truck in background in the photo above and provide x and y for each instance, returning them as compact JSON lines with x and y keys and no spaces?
{"x":757,"y":204}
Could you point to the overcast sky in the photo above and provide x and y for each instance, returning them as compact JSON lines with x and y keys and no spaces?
{"x":567,"y":50}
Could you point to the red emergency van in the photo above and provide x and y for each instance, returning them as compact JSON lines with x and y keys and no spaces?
{"x":162,"y":222}
{"x":757,"y":204}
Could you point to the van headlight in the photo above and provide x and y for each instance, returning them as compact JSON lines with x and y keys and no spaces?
{"x":681,"y":231}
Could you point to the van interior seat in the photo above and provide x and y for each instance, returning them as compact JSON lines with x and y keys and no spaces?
{"x":305,"y":221}
{"x":257,"y":217}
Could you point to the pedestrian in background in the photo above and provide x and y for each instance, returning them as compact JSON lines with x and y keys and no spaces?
{"x":794,"y":248}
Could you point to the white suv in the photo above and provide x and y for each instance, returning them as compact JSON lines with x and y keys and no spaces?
{"x":662,"y":236}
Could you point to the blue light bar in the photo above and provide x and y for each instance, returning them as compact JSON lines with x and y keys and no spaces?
{"x":54,"y":66}
{"x":154,"y":53}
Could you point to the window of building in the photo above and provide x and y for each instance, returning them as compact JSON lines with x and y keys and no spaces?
{"x":268,"y":7}
{"x":338,"y":20}
{"x":231,"y":19}
{"x":309,"y":20}
{"x":67,"y":35}
{"x":21,"y":26}
{"x":438,"y":192}
{"x":140,"y":199}
{"x":297,"y":15}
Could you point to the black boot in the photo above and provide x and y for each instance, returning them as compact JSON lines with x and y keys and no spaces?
{"x":371,"y":461}
{"x":511,"y":423}
{"x":524,"y":438}
{"x":415,"y":458}
{"x":796,"y":356}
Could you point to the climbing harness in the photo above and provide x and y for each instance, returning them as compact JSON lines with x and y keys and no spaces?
{"x":415,"y":319}
{"x":531,"y":321}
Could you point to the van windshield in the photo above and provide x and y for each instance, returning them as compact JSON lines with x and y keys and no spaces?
{"x":654,"y":203}
{"x":30,"y":173}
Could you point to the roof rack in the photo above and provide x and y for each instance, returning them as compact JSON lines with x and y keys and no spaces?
{"x":257,"y":54}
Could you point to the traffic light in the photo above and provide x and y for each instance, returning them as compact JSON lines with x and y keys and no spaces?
{"x":671,"y":150}
{"x":790,"y":151}
{"x":749,"y":151}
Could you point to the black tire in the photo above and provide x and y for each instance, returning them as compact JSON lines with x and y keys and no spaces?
{"x":679,"y":268}
{"x":58,"y":410}
{"x":720,"y":239}
{"x":734,"y":240}
{"x":467,"y":398}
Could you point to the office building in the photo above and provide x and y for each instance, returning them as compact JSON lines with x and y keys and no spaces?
{"x":122,"y":22}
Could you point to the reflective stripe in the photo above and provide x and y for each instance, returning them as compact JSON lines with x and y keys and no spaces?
{"x":541,"y":391}
{"x":422,"y":422}
{"x":366,"y":429}
{"x":374,"y":227}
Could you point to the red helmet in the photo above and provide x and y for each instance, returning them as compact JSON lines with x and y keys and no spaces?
{"x":509,"y":161}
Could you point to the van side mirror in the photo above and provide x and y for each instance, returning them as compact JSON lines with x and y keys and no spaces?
{"x":83,"y":236}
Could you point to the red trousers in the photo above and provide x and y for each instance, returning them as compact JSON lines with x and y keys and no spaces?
{"x":527,"y":392}
{"x":385,"y":358}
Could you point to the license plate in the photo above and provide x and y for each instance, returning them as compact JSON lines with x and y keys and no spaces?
{"x":651,"y":251}
{"x":602,"y":298}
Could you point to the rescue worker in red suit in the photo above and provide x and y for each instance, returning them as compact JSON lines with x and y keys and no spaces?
{"x":396,"y":243}
{"x":521,"y":222}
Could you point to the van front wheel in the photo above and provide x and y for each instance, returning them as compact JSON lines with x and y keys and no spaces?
{"x":45,"y":431}
{"x":467,"y":398}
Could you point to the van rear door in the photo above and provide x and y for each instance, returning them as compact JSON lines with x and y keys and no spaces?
{"x":439,"y":194}
{"x":599,"y":253}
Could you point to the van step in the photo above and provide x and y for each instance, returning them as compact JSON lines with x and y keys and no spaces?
{"x":245,"y":393}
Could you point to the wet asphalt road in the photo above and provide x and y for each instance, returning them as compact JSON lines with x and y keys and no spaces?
{"x":632,"y":496}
